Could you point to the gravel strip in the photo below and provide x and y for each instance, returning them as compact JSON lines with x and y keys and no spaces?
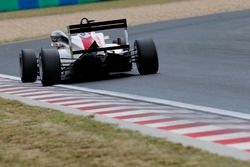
{"x":33,"y":27}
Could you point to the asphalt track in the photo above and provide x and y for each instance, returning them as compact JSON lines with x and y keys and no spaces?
{"x":203,"y":61}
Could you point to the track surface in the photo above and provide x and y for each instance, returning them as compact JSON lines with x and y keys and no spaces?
{"x":203,"y":61}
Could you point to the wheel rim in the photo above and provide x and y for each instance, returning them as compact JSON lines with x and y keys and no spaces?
{"x":137,"y":56}
{"x":21,"y":66}
{"x":40,"y":67}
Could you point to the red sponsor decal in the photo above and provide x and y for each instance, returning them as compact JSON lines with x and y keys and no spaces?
{"x":87,"y":40}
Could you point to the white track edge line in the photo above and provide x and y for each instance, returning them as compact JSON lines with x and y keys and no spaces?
{"x":163,"y":102}
{"x":152,"y":100}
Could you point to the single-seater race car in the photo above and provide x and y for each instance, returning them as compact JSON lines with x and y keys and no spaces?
{"x":88,"y":49}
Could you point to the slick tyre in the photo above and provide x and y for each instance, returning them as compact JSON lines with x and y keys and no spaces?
{"x":147,"y":58}
{"x":28,"y":65}
{"x":49,"y":67}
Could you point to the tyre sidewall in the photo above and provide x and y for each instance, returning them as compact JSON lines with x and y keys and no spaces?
{"x":147,"y":56}
{"x":28,"y":65}
{"x":49,"y":67}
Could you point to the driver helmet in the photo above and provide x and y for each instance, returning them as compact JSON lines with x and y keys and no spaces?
{"x":58,"y":37}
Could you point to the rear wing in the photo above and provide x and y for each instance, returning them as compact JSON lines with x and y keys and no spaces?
{"x":91,"y":25}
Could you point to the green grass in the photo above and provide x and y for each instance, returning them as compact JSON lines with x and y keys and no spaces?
{"x":82,"y":7}
{"x":32,"y":136}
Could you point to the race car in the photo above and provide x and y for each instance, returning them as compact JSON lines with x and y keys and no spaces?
{"x":88,"y":49}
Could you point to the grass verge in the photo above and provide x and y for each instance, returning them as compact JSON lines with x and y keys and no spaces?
{"x":32,"y":136}
{"x":81,"y":7}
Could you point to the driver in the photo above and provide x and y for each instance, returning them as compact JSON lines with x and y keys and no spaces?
{"x":59,"y":39}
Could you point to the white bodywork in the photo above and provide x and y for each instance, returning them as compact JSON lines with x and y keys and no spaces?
{"x":81,"y":41}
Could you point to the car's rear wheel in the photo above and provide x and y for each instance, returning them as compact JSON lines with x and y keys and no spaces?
{"x":28,"y":65}
{"x":147,"y":58}
{"x":49,"y":67}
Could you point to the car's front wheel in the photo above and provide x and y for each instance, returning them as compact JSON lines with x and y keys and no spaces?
{"x":49,"y":67}
{"x":147,"y":58}
{"x":28,"y":65}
